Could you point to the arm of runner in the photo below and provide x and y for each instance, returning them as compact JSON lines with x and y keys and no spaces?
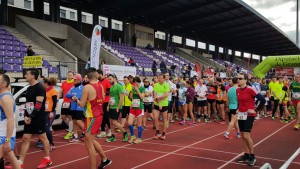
{"x":131,"y":95}
{"x":37,"y":107}
{"x":141,"y":95}
{"x":120,"y":101}
{"x":262,"y":102}
{"x":60,"y":93}
{"x":69,"y":93}
{"x":54,"y":99}
{"x":7,"y":105}
{"x":84,"y":97}
{"x":164,"y":96}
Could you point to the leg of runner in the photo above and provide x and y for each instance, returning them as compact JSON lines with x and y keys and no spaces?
{"x":191,"y":112}
{"x":156,"y":123}
{"x":25,"y":146}
{"x":131,"y":128}
{"x":12,"y":158}
{"x":165,"y":121}
{"x":215,"y":110}
{"x":48,"y":130}
{"x":140,"y":129}
{"x":89,"y":143}
{"x":184,"y":114}
{"x":222,"y":111}
{"x":275,"y":106}
{"x":208,"y":111}
{"x":297,"y":107}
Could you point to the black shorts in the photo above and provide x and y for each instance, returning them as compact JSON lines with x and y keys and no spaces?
{"x":148,"y":107}
{"x":77,"y":115}
{"x":125,"y":111}
{"x":211,"y":101}
{"x":65,"y":111}
{"x":230,"y":113}
{"x":201,"y":103}
{"x":37,"y":125}
{"x":272,"y":98}
{"x":220,"y":102}
{"x":164,"y":108}
{"x":113,"y":114}
{"x":246,"y":125}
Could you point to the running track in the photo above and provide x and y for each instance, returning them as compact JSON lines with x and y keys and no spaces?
{"x":200,"y":146}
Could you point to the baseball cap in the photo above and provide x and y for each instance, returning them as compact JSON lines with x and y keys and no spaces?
{"x":78,"y":77}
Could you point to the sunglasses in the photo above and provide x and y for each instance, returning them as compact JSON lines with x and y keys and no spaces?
{"x":241,"y":78}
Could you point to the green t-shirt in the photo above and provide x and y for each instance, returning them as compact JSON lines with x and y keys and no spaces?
{"x":161,"y":90}
{"x":136,"y":100}
{"x":114,"y":94}
{"x":295,"y":88}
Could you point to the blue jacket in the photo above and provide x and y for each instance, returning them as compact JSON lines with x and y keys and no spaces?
{"x":75,"y":91}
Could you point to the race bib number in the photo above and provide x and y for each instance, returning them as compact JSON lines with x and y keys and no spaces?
{"x":135,"y":103}
{"x":29,"y":107}
{"x":242,"y":116}
{"x":296,"y":95}
{"x":65,"y":105}
{"x":263,"y":93}
{"x":112,"y":101}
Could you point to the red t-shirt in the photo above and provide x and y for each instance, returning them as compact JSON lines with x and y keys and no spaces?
{"x":212,"y":91}
{"x":65,"y":86}
{"x":106,"y":87}
{"x":246,"y":99}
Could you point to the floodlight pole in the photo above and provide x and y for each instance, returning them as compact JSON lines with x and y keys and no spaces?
{"x":297,"y":23}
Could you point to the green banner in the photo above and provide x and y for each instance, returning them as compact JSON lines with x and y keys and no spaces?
{"x":276,"y":62}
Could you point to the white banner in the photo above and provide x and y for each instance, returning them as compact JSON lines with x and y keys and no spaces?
{"x":95,"y":47}
{"x":119,"y":71}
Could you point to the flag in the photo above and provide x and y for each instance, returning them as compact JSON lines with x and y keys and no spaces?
{"x":95,"y":47}
{"x":198,"y":70}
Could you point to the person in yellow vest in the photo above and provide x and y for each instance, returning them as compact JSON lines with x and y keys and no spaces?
{"x":126,"y":102}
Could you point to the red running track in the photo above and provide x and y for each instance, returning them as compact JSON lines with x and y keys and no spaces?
{"x":200,"y":146}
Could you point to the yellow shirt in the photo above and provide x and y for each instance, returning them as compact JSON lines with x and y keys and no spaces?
{"x":272,"y":86}
{"x":127,"y":90}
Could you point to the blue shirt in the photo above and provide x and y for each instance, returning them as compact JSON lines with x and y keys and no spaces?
{"x":3,"y":120}
{"x":233,"y":103}
{"x":75,"y":91}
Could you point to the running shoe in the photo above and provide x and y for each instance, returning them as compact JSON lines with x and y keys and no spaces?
{"x":39,"y":144}
{"x":172,"y":121}
{"x":273,"y":118}
{"x":137,"y":141}
{"x":149,"y":119}
{"x":131,"y":140}
{"x":238,"y":135}
{"x":52,"y":147}
{"x":182,"y":122}
{"x":69,"y":135}
{"x":8,"y":166}
{"x":176,"y":118}
{"x":244,"y":158}
{"x":109,"y":134}
{"x":207,"y":120}
{"x":228,"y":136}
{"x":163,"y":137}
{"x":111,"y":139}
{"x":192,"y":123}
{"x":119,"y":131}
{"x":144,"y":128}
{"x":157,"y":136}
{"x":285,"y":121}
{"x":105,"y":163}
{"x":297,"y":126}
{"x":102,"y":134}
{"x":125,"y":136}
{"x":199,"y":120}
{"x":221,"y":122}
{"x":251,"y":160}
{"x":74,"y":140}
{"x":291,"y":117}
{"x":45,"y":163}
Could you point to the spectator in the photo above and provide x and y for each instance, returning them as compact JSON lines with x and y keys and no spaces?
{"x":163,"y":67}
{"x":154,"y":68}
{"x":149,"y":47}
{"x":134,"y":40}
{"x":183,"y":70}
{"x":173,"y":67}
{"x":30,"y":52}
{"x":189,"y":68}
{"x":131,"y":62}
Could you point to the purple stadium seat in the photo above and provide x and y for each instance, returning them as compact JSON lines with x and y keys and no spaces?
{"x":9,"y":37}
{"x":8,"y":47}
{"x":16,"y":54}
{"x":8,"y":60}
{"x":7,"y":67}
{"x":8,"y":54}
{"x":2,"y":53}
{"x":8,"y":42}
{"x":23,"y":49}
{"x":16,"y":43}
{"x":53,"y":69}
{"x":17,"y":68}
{"x":2,"y":47}
{"x":2,"y":41}
{"x":15,"y":48}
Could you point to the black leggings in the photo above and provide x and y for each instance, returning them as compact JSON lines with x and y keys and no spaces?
{"x":276,"y":103}
{"x":105,"y":120}
{"x":48,"y":127}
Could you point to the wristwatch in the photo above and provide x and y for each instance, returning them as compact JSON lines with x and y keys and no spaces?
{"x":7,"y":140}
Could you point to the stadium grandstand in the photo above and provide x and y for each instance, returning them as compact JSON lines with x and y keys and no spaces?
{"x":215,"y":36}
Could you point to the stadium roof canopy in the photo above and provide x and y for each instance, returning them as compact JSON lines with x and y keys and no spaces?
{"x":226,"y":23}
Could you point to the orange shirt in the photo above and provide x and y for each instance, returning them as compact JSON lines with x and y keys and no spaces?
{"x":220,"y":94}
{"x":50,"y":92}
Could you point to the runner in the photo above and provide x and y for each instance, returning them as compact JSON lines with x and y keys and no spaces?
{"x":190,"y":95}
{"x":76,"y":110}
{"x":211,"y":98}
{"x":127,"y":88}
{"x":92,"y":101}
{"x":51,"y":100}
{"x":148,"y":102}
{"x":295,"y":95}
{"x":232,"y":104}
{"x":221,"y":100}
{"x":106,"y":86}
{"x":173,"y":90}
{"x":272,"y":85}
{"x":161,"y":94}
{"x":115,"y":107}
{"x":7,"y":124}
{"x":35,"y":117}
{"x":277,"y":91}
{"x":65,"y":111}
{"x":264,"y":92}
{"x":201,"y":91}
{"x":136,"y":110}
{"x":284,"y":100}
{"x":182,"y":102}
{"x":246,"y":114}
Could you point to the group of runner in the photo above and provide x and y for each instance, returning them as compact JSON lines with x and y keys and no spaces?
{"x":98,"y":104}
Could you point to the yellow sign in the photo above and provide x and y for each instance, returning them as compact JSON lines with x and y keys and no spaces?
{"x":33,"y":61}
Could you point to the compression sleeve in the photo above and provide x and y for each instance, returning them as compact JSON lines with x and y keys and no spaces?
{"x":37,"y":107}
{"x":54,"y":98}
{"x":261,"y":100}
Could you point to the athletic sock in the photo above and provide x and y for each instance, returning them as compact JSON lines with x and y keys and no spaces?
{"x":104,"y":160}
{"x":140,"y":131}
{"x":227,"y":133}
{"x":131,"y":129}
{"x":48,"y":158}
{"x":67,"y":121}
{"x":75,"y":135}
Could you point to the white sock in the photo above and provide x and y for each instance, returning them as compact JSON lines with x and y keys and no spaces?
{"x":48,"y":158}
{"x":70,"y":126}
{"x":67,"y":121}
{"x":20,"y":161}
{"x":104,"y":160}
{"x":227,"y":133}
{"x":76,"y":135}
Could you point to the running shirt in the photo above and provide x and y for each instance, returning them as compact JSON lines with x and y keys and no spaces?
{"x":246,"y":99}
{"x":227,"y":88}
{"x":272,"y":87}
{"x":264,"y":89}
{"x":172,"y":87}
{"x":295,"y":89}
{"x":257,"y":87}
{"x":66,"y":86}
{"x":160,"y":91}
{"x":3,"y":120}
{"x":278,"y":90}
{"x":114,"y":93}
{"x":149,"y":99}
{"x":137,"y":102}
{"x":201,"y":91}
{"x":31,"y":94}
{"x":182,"y":94}
{"x":106,"y":87}
{"x":94,"y":108}
{"x":220,"y":95}
{"x":233,"y":102}
{"x":190,"y":94}
{"x":75,"y":91}
{"x":127,"y":89}
{"x":212,"y":91}
{"x":50,"y":92}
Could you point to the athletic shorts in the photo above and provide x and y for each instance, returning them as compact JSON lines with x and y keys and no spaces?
{"x":77,"y":115}
{"x":272,"y":98}
{"x":113,"y":114}
{"x":201,"y":103}
{"x":220,"y":101}
{"x":181,"y":103}
{"x":230,"y":113}
{"x":246,"y":125}
{"x":37,"y":126}
{"x":93,"y":124}
{"x":125,"y":111}
{"x":65,"y":111}
{"x":211,"y":101}
{"x":188,"y":102}
{"x":137,"y":112}
{"x":12,"y":141}
{"x":295,"y":102}
{"x":164,"y":108}
{"x":148,"y":107}
{"x":170,"y":106}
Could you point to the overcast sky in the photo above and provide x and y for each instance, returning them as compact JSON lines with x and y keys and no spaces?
{"x":281,"y":13}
